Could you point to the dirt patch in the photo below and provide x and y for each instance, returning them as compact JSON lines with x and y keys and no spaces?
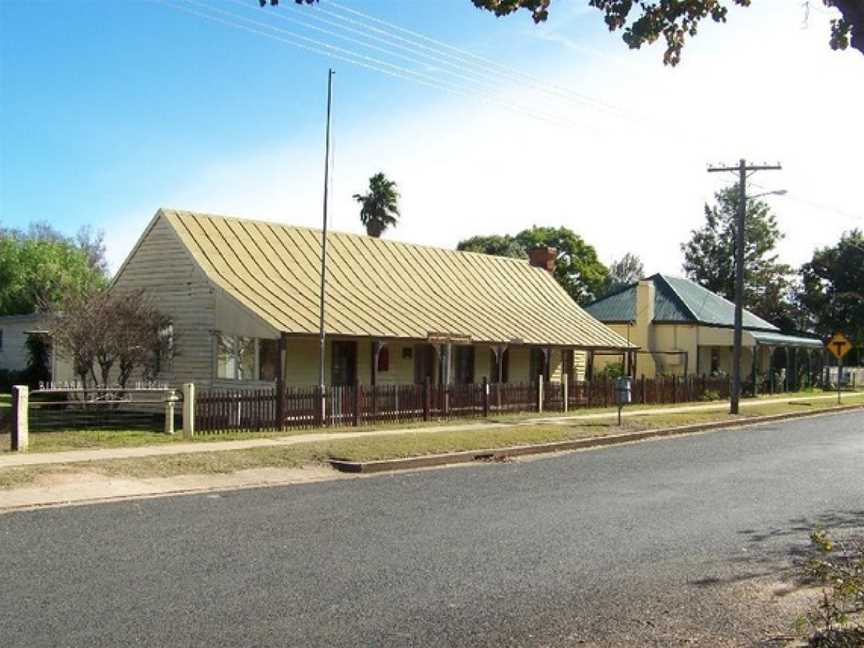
{"x":79,"y":487}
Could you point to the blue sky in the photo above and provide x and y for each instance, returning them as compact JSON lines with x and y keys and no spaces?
{"x":112,"y":109}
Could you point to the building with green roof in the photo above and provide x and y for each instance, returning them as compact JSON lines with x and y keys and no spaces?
{"x":683,"y":328}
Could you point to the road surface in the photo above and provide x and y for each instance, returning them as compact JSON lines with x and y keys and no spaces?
{"x":657,"y":543}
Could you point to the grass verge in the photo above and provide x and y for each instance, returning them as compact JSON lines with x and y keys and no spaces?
{"x":369,"y":447}
{"x":86,"y":439}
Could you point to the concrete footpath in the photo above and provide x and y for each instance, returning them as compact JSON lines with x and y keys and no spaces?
{"x":11,"y":460}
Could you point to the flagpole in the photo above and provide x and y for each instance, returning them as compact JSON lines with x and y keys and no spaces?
{"x":321,"y":333}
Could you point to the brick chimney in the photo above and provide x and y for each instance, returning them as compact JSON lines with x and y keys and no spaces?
{"x":543,"y":257}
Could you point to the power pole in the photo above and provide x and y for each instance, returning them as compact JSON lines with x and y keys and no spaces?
{"x":321,"y":334}
{"x":742,"y":168}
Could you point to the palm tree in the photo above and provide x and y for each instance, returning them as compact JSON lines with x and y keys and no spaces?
{"x":380,"y":207}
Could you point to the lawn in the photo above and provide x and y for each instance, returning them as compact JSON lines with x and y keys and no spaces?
{"x":371,"y":447}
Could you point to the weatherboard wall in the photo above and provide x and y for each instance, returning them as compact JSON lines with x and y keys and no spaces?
{"x":161,"y":265}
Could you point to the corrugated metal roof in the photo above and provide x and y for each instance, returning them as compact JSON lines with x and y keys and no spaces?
{"x":709,"y":307}
{"x":675,"y":300}
{"x":619,"y":306}
{"x":769,"y":338}
{"x":382,"y":288}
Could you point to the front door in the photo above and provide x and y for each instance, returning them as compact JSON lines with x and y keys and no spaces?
{"x":424,"y":363}
{"x":344,"y":363}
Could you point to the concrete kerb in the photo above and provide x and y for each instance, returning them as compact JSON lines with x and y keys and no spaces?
{"x":493,"y":454}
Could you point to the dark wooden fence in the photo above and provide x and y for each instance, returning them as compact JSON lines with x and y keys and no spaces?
{"x":218,"y":411}
{"x":59,"y":409}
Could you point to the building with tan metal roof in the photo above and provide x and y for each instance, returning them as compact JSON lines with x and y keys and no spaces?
{"x":243,"y":297}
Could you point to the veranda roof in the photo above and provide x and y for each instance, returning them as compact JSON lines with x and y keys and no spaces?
{"x":766,"y":338}
{"x":385,"y":289}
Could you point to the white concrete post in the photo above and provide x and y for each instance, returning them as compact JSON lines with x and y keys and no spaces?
{"x":170,"y":401}
{"x":540,"y":392}
{"x":566,"y":390}
{"x":188,"y":409}
{"x":20,"y":423}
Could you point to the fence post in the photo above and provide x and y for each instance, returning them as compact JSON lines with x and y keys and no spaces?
{"x":357,"y":404}
{"x":20,"y":422}
{"x":170,"y":400}
{"x":540,"y":393}
{"x":674,"y":388}
{"x":643,"y":388}
{"x":427,"y":398}
{"x":485,"y":396}
{"x":188,"y":409}
{"x":564,"y":385}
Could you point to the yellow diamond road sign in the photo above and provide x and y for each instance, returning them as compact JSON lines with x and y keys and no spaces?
{"x":839,"y":345}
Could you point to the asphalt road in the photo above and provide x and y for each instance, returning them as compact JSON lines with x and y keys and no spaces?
{"x":645,"y":544}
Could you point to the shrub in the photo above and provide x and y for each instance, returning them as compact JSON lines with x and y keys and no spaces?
{"x":710,"y":395}
{"x":840,"y":570}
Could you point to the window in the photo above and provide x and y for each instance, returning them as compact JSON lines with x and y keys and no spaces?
{"x":165,"y":348}
{"x":268,"y":359}
{"x":463,"y":364}
{"x":569,"y":365}
{"x":226,"y":360}
{"x":235,"y":357}
{"x":715,"y":360}
{"x":245,"y":358}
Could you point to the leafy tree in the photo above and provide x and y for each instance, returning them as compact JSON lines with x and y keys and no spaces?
{"x":709,"y":258}
{"x":577,"y":268}
{"x":496,"y":245}
{"x":673,"y":20}
{"x":833,"y":288}
{"x":380,"y":206}
{"x":624,"y":271}
{"x":90,"y":241}
{"x":36,"y":269}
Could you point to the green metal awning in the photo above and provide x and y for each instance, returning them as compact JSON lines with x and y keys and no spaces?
{"x":769,"y":338}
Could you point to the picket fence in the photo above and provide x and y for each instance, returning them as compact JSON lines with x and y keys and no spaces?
{"x":223,"y":410}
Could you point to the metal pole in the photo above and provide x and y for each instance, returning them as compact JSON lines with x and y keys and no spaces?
{"x":839,"y":378}
{"x":739,"y":287}
{"x":742,"y":168}
{"x":321,"y":334}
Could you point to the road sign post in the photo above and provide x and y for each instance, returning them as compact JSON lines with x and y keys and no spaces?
{"x":839,"y":345}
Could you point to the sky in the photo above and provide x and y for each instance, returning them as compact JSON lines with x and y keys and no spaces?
{"x":110,"y":110}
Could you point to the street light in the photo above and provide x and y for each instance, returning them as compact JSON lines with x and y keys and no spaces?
{"x":776,"y":192}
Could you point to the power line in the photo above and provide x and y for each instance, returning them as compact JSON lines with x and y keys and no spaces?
{"x":816,"y":205}
{"x":465,"y":58}
{"x":474,"y":78}
{"x":361,"y":60}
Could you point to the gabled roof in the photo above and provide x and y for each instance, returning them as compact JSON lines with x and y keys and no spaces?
{"x":675,"y":300}
{"x":381,"y":288}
